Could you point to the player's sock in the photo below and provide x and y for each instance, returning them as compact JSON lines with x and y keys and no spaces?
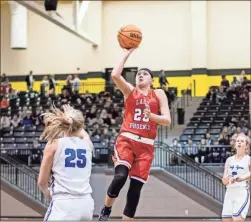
{"x":105,"y":213}
{"x":107,"y":209}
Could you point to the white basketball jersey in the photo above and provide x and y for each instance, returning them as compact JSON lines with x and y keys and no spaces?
{"x":237,"y":168}
{"x":71,"y":168}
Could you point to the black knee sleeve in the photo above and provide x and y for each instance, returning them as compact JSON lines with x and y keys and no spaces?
{"x":133,"y":196}
{"x":119,"y":179}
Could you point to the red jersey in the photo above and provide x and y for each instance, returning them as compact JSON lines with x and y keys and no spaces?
{"x":134,"y":120}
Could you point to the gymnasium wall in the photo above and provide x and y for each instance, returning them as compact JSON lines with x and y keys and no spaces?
{"x":228,"y":34}
{"x":171,"y":41}
{"x":50,"y":48}
{"x":166,"y":33}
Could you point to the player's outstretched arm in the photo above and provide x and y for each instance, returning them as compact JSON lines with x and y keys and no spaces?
{"x":46,"y":166}
{"x":165,"y":118}
{"x":125,"y":87}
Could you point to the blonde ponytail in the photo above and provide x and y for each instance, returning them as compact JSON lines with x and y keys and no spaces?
{"x":58,"y":122}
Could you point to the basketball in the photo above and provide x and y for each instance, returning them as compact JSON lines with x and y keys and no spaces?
{"x":129,"y":36}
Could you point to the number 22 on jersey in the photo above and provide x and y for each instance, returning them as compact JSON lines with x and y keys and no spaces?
{"x":72,"y":155}
{"x":137,"y":116}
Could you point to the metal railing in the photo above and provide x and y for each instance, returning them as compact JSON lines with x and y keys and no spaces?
{"x":20,"y":164}
{"x":190,"y":172}
{"x":162,"y":133}
{"x":224,"y":152}
{"x":19,"y":177}
{"x":91,"y":87}
{"x":187,"y":170}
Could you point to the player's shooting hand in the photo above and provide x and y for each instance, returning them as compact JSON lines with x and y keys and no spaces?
{"x":147,"y":111}
{"x":129,"y":51}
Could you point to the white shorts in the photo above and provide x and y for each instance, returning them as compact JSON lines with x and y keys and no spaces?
{"x":78,"y":209}
{"x":236,"y":202}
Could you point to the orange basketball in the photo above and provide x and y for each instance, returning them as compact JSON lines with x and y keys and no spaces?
{"x":129,"y":36}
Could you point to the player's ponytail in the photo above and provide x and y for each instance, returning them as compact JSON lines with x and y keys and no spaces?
{"x":58,"y":123}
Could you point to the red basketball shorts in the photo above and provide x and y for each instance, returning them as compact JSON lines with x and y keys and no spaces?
{"x":135,"y":152}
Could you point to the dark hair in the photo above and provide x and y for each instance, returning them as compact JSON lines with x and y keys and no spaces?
{"x":148,"y":70}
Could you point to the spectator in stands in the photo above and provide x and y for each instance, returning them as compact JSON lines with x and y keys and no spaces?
{"x":233,"y":123}
{"x":4,"y":104}
{"x":210,"y":154}
{"x":203,"y":152}
{"x":23,"y":113}
{"x":176,"y":146}
{"x":226,"y":131}
{"x":162,"y":80}
{"x":224,"y":154}
{"x":36,"y":116}
{"x":115,"y":113}
{"x":191,"y":150}
{"x":4,"y":122}
{"x":28,"y":119}
{"x":108,"y":101}
{"x":52,"y":85}
{"x":235,"y":83}
{"x":35,"y":153}
{"x":30,"y":81}
{"x":86,"y":94}
{"x":76,"y":84}
{"x":12,"y":93}
{"x":4,"y":80}
{"x":237,"y":133}
{"x":224,"y":82}
{"x":96,"y":132}
{"x":220,"y":95}
{"x":64,"y":97}
{"x":15,"y":121}
{"x":69,"y":84}
{"x":243,"y":123}
{"x":45,"y":86}
{"x":244,"y":94}
{"x":211,"y":95}
{"x":91,"y":116}
{"x":208,"y":140}
{"x":223,"y":139}
{"x":216,"y":157}
{"x":107,"y":120}
{"x":105,"y":133}
{"x":242,"y":76}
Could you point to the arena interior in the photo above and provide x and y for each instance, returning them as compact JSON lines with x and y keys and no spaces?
{"x":199,"y":52}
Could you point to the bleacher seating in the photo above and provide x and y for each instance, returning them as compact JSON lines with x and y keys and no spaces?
{"x":211,"y":117}
{"x":19,"y":140}
{"x":222,"y":115}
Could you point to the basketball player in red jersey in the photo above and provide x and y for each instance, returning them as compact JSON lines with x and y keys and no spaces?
{"x":134,"y":150}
